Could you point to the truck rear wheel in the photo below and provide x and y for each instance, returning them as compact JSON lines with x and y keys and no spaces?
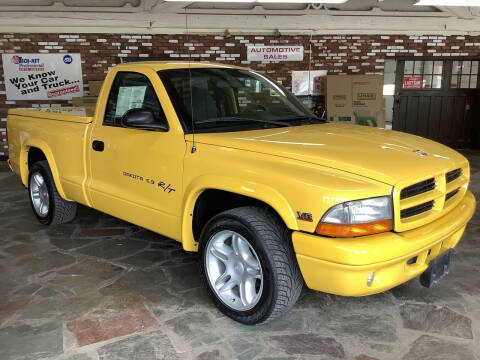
{"x":48,"y":206}
{"x":249,"y":266}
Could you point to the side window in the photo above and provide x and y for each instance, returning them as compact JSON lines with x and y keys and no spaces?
{"x":464,"y":74}
{"x":131,"y":90}
{"x":422,"y":74}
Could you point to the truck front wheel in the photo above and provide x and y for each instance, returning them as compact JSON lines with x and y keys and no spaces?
{"x":47,"y":204}
{"x":249,"y":266}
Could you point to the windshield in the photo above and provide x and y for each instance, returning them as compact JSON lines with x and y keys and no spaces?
{"x":232,"y":100}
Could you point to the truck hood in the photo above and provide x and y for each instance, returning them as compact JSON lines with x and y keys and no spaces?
{"x":384,"y":155}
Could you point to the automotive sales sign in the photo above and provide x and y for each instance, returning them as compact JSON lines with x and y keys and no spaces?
{"x":42,"y":76}
{"x":275,"y":53}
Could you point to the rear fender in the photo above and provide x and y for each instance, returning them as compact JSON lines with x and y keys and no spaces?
{"x":43,"y":146}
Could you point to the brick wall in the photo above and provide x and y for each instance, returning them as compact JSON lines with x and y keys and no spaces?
{"x":345,"y":54}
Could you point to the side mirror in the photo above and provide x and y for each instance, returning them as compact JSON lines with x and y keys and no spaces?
{"x":142,"y":119}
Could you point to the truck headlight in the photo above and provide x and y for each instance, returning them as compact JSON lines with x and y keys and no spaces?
{"x":357,"y":218}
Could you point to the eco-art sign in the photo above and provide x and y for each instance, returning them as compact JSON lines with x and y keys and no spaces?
{"x":275,"y":53}
{"x":42,"y":76}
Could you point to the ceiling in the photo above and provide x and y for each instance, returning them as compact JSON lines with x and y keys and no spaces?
{"x":158,"y":16}
{"x":352,"y":5}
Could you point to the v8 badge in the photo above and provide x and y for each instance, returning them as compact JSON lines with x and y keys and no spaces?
{"x":304,"y":216}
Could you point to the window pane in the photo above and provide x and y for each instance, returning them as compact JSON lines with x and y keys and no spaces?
{"x":408,"y":68}
{"x":474,"y":67}
{"x":427,"y":81}
{"x":129,"y":91}
{"x":223,"y":99}
{"x":473,"y":82}
{"x":428,"y":68}
{"x":418,"y":68}
{"x":437,"y":81}
{"x":438,"y":67}
{"x":466,"y":67}
{"x":465,"y":81}
{"x":454,"y":83}
{"x":456,"y":67}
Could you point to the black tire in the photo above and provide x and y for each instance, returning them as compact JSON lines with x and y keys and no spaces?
{"x":271,"y":240}
{"x":60,"y":211}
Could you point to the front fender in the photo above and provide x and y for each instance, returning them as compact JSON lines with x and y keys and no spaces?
{"x":239,"y":186}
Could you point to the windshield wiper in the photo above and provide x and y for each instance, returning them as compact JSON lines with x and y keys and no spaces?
{"x":309,"y":118}
{"x":240,"y":119}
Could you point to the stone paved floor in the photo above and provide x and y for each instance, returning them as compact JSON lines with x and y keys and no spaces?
{"x":99,"y":288}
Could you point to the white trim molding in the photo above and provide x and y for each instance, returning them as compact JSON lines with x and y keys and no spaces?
{"x":160,"y":17}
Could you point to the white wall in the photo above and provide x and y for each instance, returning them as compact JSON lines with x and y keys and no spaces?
{"x":389,"y":90}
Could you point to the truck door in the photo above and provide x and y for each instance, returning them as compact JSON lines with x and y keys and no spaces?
{"x":136,"y":174}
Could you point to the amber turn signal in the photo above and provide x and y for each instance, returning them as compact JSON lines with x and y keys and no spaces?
{"x":351,"y":230}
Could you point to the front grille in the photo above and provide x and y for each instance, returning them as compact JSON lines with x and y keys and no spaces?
{"x":452,"y":175}
{"x":417,"y":202}
{"x":418,"y":188}
{"x":451,"y":194}
{"x":417,"y":209}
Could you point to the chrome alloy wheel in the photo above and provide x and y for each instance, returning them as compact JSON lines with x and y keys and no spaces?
{"x":234,"y":270}
{"x":39,"y":194}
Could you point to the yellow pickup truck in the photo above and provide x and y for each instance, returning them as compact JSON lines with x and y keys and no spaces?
{"x":229,"y":163}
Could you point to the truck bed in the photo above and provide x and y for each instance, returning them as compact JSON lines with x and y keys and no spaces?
{"x":82,"y":115}
{"x":61,"y":134}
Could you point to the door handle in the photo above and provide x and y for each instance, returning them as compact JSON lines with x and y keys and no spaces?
{"x":98,"y":145}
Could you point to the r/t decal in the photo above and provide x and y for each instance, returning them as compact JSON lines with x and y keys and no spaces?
{"x":165,"y":187}
{"x":168,"y":188}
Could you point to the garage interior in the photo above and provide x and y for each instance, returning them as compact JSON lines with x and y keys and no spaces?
{"x":101,"y":288}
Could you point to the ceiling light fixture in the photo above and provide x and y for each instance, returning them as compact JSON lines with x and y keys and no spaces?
{"x":448,"y":3}
{"x":270,"y":1}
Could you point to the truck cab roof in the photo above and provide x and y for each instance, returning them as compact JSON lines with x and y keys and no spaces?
{"x":166,"y":65}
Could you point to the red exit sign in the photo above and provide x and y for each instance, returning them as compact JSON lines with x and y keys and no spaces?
{"x":412,"y":82}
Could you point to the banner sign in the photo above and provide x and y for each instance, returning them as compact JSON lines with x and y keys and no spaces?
{"x":412,"y":82}
{"x":305,"y":83}
{"x":275,"y":53}
{"x":42,"y":76}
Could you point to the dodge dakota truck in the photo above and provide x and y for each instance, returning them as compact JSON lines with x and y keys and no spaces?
{"x":229,"y":163}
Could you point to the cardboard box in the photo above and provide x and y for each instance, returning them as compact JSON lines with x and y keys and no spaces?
{"x":370,"y":118}
{"x":368,"y":104}
{"x":94,"y":87}
{"x":357,"y":99}
{"x":339,"y":98}
{"x":84,"y":101}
